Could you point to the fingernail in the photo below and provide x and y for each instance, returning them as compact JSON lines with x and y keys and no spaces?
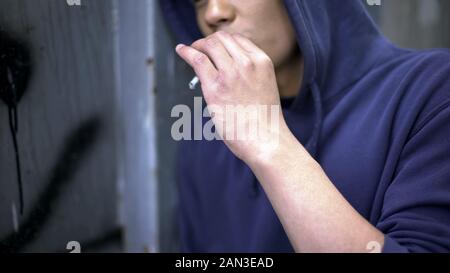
{"x":179,"y":47}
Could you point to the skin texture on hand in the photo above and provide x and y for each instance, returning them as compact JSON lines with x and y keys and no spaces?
{"x":267,"y":25}
{"x":234,"y":72}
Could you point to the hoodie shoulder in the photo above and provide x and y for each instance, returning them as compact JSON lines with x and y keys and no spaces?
{"x":416,"y":204}
{"x":433,"y":62}
{"x":422,"y":80}
{"x":418,"y":62}
{"x":430,"y":75}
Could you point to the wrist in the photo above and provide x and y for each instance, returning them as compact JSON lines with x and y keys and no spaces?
{"x":289,"y":163}
{"x":282,"y":150}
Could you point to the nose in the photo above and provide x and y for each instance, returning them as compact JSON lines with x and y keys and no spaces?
{"x":219,"y":13}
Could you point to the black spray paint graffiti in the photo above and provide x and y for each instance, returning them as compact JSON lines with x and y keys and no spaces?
{"x":15,"y":67}
{"x":74,"y":152}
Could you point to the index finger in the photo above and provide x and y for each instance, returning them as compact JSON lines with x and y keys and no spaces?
{"x":199,"y":61}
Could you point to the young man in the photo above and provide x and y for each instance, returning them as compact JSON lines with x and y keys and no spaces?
{"x":362,"y":161}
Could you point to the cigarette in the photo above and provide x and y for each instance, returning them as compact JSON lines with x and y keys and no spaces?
{"x":193,"y":84}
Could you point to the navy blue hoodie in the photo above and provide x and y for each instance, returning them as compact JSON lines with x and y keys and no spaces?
{"x":376,"y":118}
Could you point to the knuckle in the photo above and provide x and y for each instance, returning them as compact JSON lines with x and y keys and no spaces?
{"x":264,"y":60}
{"x":236,"y":76}
{"x":200,"y":59}
{"x":222,"y":34}
{"x":219,"y":82}
{"x":198,"y":44}
{"x":238,"y":35}
{"x":212,"y":41}
{"x":248,"y":64}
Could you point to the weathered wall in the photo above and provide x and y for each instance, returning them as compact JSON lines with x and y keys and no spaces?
{"x":86,"y":130}
{"x":417,"y":23}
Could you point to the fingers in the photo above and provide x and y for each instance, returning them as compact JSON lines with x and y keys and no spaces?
{"x":234,"y":49}
{"x":219,"y":54}
{"x":258,"y":55}
{"x":213,"y":47}
{"x":200,"y":62}
{"x":246,"y":44}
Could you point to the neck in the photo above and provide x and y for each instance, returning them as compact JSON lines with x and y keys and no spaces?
{"x":289,"y":76}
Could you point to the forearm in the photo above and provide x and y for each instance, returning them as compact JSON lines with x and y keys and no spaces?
{"x":315,"y":216}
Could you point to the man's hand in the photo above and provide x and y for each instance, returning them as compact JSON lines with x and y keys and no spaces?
{"x":235,"y":72}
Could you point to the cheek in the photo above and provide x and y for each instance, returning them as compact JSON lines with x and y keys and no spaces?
{"x":281,"y":39}
{"x":203,"y":29}
{"x":280,"y":49}
{"x":203,"y":26}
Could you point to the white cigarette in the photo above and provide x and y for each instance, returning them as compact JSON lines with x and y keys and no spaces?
{"x":193,"y":84}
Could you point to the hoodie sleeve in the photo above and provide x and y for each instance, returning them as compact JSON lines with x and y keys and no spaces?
{"x":416,"y":210}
